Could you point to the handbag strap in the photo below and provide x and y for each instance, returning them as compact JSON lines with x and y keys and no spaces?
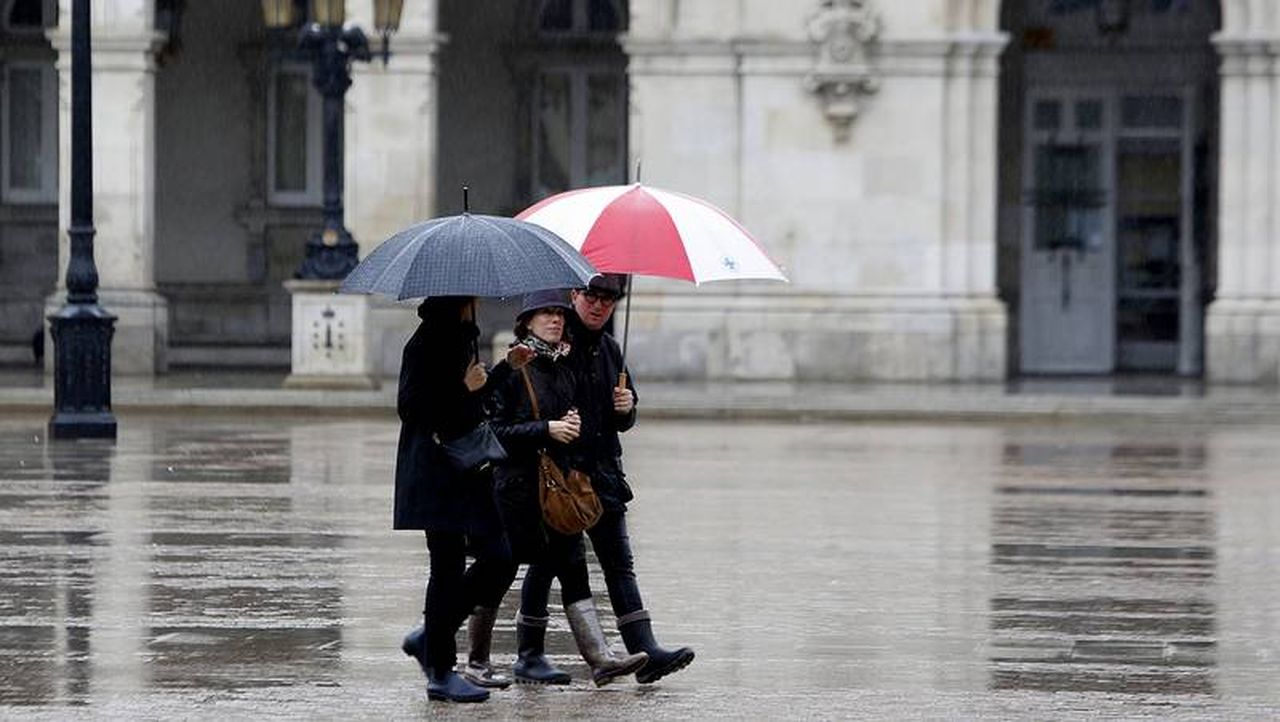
{"x":533,"y":398}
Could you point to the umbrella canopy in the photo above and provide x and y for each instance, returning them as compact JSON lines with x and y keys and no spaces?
{"x":647,"y":231}
{"x":469,"y":255}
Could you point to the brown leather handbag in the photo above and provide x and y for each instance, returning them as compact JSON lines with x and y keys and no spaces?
{"x":569,"y":503}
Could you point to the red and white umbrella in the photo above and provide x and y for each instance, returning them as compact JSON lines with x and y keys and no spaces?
{"x":637,"y":229}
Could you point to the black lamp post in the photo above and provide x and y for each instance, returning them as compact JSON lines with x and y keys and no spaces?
{"x":332,"y":252}
{"x":81,"y":329}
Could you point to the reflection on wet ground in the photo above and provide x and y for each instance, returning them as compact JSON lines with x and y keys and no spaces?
{"x":222,"y":566}
{"x":1105,"y":569}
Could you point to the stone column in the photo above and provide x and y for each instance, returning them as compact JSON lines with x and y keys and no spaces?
{"x":1242,"y":327}
{"x":856,"y":140}
{"x":391,"y":152}
{"x":124,"y":45}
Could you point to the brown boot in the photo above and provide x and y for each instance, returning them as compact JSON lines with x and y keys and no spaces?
{"x":480,"y":636}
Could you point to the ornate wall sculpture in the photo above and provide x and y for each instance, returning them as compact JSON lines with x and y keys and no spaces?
{"x":843,"y":30}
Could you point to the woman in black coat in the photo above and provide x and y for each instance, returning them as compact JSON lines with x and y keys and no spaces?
{"x":540,"y":327}
{"x":441,"y":395}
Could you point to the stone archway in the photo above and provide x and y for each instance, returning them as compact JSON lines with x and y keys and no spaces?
{"x":1092,"y":307}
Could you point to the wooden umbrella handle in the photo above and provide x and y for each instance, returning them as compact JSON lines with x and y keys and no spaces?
{"x":622,"y":379}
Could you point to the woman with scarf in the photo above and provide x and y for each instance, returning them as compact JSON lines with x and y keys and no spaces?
{"x":540,"y":326}
{"x":441,"y":398}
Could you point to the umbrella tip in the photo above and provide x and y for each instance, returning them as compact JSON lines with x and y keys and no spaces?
{"x":466,"y":199}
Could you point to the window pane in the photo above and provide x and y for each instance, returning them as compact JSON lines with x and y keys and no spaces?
{"x":1151,"y":112}
{"x":1089,"y":114}
{"x":1048,"y":115}
{"x":291,"y":133}
{"x":554,"y":133}
{"x":1068,"y":197}
{"x":1161,"y":7}
{"x":603,"y":16}
{"x":557,"y":16}
{"x":27,"y":138}
{"x":27,"y":13}
{"x":604,"y":129}
{"x":1067,"y":7}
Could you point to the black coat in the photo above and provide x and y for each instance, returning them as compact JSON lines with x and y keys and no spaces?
{"x":516,"y":479}
{"x":596,"y":361}
{"x":434,"y":403}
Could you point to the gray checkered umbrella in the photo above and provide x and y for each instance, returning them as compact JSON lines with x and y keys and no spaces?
{"x":469,"y":255}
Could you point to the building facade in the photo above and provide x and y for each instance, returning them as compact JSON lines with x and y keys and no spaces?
{"x":957,"y":189}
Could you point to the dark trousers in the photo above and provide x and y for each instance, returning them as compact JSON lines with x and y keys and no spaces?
{"x":613,"y":550}
{"x":454,"y":589}
{"x":566,"y":560}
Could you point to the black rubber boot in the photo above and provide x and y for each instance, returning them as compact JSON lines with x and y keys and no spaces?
{"x":637,"y":633}
{"x":415,"y":645}
{"x":453,"y":687}
{"x":532,"y":666}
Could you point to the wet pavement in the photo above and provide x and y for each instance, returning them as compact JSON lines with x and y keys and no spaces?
{"x":242,"y":566}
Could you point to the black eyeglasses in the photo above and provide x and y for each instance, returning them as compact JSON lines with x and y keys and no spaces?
{"x":603,"y":298}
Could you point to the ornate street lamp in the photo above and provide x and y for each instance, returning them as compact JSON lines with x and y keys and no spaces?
{"x":332,"y":253}
{"x":81,"y":329}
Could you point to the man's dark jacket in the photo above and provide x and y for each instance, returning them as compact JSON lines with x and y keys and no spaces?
{"x":596,"y":361}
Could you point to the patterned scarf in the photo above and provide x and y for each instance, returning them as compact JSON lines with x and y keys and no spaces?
{"x":545,"y":349}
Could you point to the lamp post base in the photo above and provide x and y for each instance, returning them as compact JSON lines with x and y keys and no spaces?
{"x":82,"y":425}
{"x":331,"y":341}
{"x":81,"y":334}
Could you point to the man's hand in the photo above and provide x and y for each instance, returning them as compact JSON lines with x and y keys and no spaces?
{"x":566,"y":429}
{"x":623,"y":400}
{"x":475,"y":377}
{"x":519,"y":355}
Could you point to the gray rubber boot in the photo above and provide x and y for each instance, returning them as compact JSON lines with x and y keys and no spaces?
{"x":587,"y":632}
{"x":480,"y":636}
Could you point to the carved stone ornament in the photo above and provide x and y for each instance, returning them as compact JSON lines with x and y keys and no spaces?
{"x":843,"y":29}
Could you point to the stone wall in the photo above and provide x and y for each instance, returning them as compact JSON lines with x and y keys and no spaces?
{"x":879,"y":203}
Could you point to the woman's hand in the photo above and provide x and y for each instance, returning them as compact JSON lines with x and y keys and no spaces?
{"x":519,"y":355}
{"x":475,"y":376}
{"x":565,"y":429}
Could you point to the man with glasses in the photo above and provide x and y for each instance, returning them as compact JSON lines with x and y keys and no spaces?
{"x":607,"y":408}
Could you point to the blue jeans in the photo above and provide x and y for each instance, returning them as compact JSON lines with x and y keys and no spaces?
{"x":566,"y":560}
{"x":613,"y":549}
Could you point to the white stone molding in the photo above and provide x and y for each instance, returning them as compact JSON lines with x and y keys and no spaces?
{"x":899,"y":57}
{"x":1242,"y":325}
{"x":968,"y":235}
{"x":843,"y":31}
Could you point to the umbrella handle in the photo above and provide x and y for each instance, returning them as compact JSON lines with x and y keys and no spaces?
{"x":622,"y":379}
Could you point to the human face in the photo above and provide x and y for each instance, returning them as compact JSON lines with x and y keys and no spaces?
{"x":594,"y":307}
{"x":547,"y":324}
